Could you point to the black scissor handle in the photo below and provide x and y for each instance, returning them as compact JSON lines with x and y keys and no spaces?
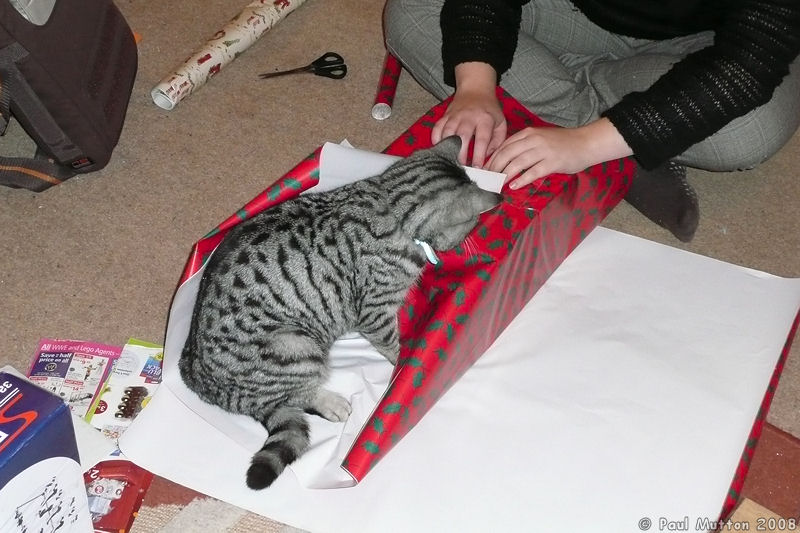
{"x":336,"y":72}
{"x":329,"y":65}
{"x":328,"y":59}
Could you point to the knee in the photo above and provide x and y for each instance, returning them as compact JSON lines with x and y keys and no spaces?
{"x":406,"y":22}
{"x":751,"y":139}
{"x":748,"y":141}
{"x":776,"y":122}
{"x":770,"y":129}
{"x":396,"y":22}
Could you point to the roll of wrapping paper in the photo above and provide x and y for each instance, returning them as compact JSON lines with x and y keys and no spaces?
{"x":233,"y":39}
{"x":387,"y":87}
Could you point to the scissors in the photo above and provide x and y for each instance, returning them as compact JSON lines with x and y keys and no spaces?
{"x":329,"y":64}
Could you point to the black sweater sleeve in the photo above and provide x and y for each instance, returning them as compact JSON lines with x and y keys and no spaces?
{"x":751,"y":54}
{"x":753,"y":47}
{"x":483,"y":31}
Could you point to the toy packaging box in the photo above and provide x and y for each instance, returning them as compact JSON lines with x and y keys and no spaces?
{"x":115,"y":489}
{"x":116,"y":486}
{"x":41,"y":481}
{"x":136,"y":375}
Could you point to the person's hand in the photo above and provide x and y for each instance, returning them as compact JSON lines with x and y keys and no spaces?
{"x":473,"y":112}
{"x":538,"y":152}
{"x":473,"y":115}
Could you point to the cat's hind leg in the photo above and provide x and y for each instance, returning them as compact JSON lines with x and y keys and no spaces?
{"x":288,"y":439}
{"x":309,"y":369}
{"x":289,"y":433}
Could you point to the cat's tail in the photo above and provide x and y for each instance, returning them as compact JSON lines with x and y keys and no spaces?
{"x":288,"y":439}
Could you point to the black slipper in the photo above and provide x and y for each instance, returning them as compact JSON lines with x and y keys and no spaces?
{"x":664,"y":196}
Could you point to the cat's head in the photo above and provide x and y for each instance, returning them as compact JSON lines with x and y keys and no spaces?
{"x":443,"y":204}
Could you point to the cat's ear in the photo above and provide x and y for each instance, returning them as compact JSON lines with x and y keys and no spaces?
{"x":449,"y":147}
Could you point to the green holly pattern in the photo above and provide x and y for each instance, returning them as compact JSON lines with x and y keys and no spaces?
{"x":467,"y":300}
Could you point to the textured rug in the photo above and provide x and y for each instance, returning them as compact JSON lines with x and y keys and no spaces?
{"x":169,"y":507}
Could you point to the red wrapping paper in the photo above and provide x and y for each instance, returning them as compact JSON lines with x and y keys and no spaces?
{"x":387,"y":86}
{"x":466,"y":301}
{"x":303,"y":176}
{"x":463,"y":303}
{"x":732,"y":498}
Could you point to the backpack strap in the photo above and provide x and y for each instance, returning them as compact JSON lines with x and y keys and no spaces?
{"x":41,"y":171}
{"x":5,"y":103}
{"x":33,"y":173}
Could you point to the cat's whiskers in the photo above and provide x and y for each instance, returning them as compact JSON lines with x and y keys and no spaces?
{"x":470,"y":247}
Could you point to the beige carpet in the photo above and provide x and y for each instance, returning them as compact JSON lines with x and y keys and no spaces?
{"x":98,"y":258}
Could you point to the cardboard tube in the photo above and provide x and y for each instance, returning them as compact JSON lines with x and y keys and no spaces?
{"x":233,"y":39}
{"x":387,"y":87}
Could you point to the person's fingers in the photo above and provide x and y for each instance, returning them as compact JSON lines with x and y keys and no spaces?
{"x":534,"y":173}
{"x":508,"y":151}
{"x":466,"y":127}
{"x":498,"y":136}
{"x":483,"y":136}
{"x":523,"y":162}
{"x":446,"y":127}
{"x":522,"y":157}
{"x":483,"y":127}
{"x":451,"y":128}
{"x":479,"y":151}
{"x":436,"y":132}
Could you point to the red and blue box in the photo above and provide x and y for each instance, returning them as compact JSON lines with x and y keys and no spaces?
{"x":41,"y":479}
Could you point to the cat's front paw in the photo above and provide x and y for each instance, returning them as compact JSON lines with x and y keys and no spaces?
{"x":332,"y":406}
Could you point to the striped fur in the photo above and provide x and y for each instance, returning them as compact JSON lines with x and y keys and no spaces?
{"x":283,"y":285}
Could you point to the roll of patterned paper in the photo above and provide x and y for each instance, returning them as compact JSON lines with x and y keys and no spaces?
{"x":387,"y":87}
{"x":233,"y":39}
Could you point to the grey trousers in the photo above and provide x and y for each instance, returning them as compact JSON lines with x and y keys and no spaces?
{"x":567,"y":70}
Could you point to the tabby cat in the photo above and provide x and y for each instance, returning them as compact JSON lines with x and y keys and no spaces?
{"x":285,"y":284}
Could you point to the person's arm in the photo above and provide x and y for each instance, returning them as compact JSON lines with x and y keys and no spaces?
{"x":750,"y":57}
{"x":482,"y":31}
{"x":478,"y":42}
{"x":473,"y":112}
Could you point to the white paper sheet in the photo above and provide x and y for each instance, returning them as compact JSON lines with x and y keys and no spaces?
{"x":626,"y":389}
{"x":341,"y":164}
